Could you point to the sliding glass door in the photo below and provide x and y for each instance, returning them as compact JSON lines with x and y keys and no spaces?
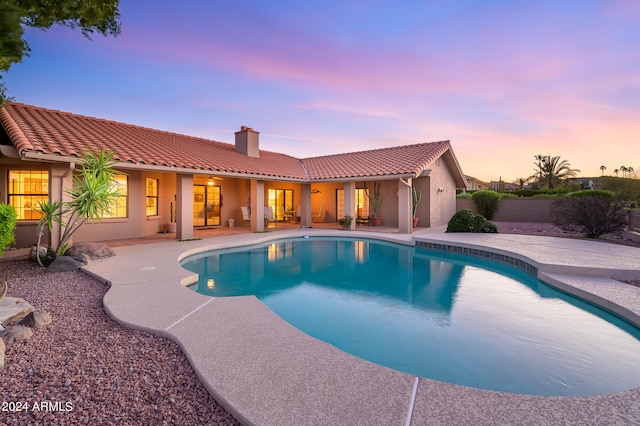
{"x":281,"y":201}
{"x":206,"y":205}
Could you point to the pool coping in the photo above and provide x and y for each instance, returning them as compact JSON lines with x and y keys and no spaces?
{"x":266,"y":372}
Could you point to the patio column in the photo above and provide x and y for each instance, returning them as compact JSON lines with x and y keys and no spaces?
{"x":350,"y":202}
{"x":405,"y":222}
{"x":257,"y":205}
{"x":305,"y":205}
{"x":61,"y":176}
{"x":184,"y":206}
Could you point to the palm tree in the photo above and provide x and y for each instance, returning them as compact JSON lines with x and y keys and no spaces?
{"x":615,"y":172}
{"x":603,"y":168}
{"x":551,"y":171}
{"x":521,"y":182}
{"x":624,"y":170}
{"x":629,"y":170}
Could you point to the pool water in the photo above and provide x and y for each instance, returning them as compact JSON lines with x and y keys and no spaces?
{"x":449,"y":317}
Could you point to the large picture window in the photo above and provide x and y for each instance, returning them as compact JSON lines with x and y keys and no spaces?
{"x":118,"y":208}
{"x":152,"y":197}
{"x":26,"y":189}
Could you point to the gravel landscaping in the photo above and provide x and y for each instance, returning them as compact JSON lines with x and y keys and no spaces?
{"x":89,"y":369}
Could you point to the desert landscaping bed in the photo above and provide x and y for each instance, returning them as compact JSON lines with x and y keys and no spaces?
{"x":90,"y":369}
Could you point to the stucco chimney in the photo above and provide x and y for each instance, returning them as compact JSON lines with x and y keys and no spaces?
{"x":248,"y":142}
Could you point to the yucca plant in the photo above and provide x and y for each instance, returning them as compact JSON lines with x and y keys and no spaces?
{"x":50,"y":213}
{"x":92,"y":195}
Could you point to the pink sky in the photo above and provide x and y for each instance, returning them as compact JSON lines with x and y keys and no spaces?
{"x":502,"y":80}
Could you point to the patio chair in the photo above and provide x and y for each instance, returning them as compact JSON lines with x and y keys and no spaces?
{"x":318,"y":217}
{"x":246,"y":216}
{"x":268,"y":216}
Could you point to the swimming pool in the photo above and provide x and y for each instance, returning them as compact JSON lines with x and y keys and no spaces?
{"x":458,"y":319}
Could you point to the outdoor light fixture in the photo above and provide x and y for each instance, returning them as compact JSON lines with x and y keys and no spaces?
{"x":210,"y":181}
{"x":440,"y":189}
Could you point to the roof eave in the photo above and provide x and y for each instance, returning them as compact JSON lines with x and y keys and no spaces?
{"x":38,"y":156}
{"x":363,"y":178}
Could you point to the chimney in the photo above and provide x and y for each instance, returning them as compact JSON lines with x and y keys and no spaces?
{"x":247,"y":142}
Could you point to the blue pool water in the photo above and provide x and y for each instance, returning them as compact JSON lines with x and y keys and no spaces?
{"x":454,"y":318}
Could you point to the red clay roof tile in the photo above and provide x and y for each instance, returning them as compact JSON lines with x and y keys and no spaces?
{"x":39,"y":130}
{"x":398,"y":160}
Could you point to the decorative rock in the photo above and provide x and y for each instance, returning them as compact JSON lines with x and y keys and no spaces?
{"x":93,"y":250}
{"x":37,"y":319}
{"x":32,"y":253}
{"x":82,"y":258}
{"x":15,"y":333}
{"x":2,"y":349}
{"x":64,"y":264}
{"x":13,"y":309}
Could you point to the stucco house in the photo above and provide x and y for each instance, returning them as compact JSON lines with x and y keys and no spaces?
{"x":196,"y":182}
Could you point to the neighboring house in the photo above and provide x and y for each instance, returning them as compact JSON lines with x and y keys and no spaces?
{"x":501,"y":186}
{"x":474,"y":184}
{"x":203,"y":183}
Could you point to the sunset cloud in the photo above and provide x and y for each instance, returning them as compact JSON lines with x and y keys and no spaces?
{"x":502,"y":80}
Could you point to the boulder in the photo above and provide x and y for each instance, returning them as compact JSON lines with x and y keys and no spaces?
{"x":37,"y":319}
{"x":82,"y":258}
{"x":32,"y":253}
{"x":64,"y":264}
{"x":15,"y":333}
{"x":93,"y":250}
{"x":13,"y":309}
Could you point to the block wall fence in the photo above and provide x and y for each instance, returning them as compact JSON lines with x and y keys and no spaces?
{"x":515,"y":209}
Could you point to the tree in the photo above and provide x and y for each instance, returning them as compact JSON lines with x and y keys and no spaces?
{"x":603,"y":168}
{"x":521,"y":182}
{"x":591,"y":212}
{"x":552,"y":171}
{"x":90,"y":16}
{"x":92,"y":196}
{"x":624,"y":171}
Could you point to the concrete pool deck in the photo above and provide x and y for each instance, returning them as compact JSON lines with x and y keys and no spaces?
{"x":266,"y":372}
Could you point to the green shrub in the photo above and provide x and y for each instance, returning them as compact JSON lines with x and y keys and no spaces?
{"x":463,"y":195}
{"x":481,"y":224}
{"x":486,"y":202}
{"x":7,"y":225}
{"x":548,"y":195}
{"x":462,"y":221}
{"x":591,"y":213}
{"x":508,"y":195}
{"x":592,"y":193}
{"x":465,"y":221}
{"x":525,"y":192}
{"x":489,"y":228}
{"x":541,"y":193}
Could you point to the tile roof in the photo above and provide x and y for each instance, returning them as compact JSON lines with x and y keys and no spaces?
{"x":397,"y":160}
{"x":40,"y":132}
